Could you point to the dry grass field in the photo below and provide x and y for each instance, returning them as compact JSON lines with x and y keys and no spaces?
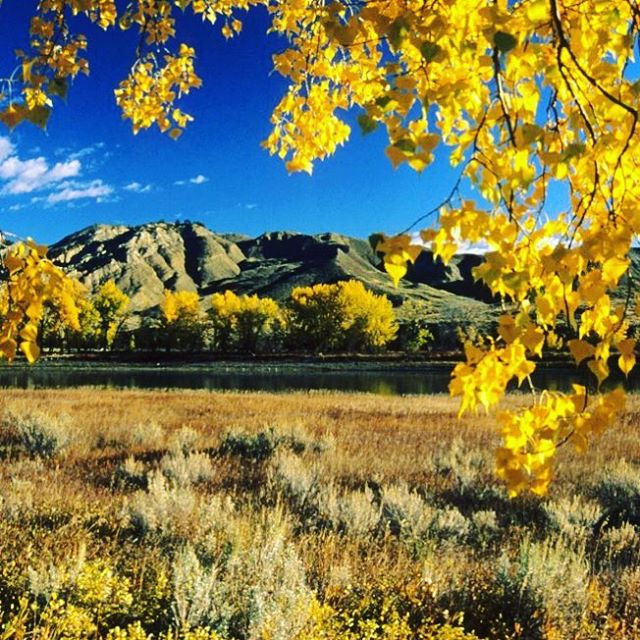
{"x":302,"y":516}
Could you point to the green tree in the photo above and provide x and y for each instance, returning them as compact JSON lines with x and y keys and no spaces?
{"x":414,"y":326}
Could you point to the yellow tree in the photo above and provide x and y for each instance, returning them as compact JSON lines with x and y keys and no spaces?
{"x":111,"y":305}
{"x":341,"y":316}
{"x":316,"y":318}
{"x":369,"y":322}
{"x":183,"y":320}
{"x":90,"y":321}
{"x":246,"y":322}
{"x":59,"y":328}
{"x":526,"y":94}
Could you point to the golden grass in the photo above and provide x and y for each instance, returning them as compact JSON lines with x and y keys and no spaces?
{"x":465,"y":544}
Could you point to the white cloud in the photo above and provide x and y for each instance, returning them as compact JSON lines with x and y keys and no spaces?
{"x":136,"y":187}
{"x":6,"y":148}
{"x":26,"y":176}
{"x":53,"y":182}
{"x":96,"y":190}
{"x":86,"y":151}
{"x":480,"y":248}
{"x":199,"y":179}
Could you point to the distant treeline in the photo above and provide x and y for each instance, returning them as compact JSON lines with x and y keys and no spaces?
{"x":326,"y":318}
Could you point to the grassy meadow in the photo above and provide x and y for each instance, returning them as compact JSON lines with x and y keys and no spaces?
{"x":302,"y":516}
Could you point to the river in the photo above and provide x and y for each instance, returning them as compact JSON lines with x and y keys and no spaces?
{"x":378,"y":378}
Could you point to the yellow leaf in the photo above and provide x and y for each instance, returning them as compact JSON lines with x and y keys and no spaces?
{"x":12,"y":263}
{"x":627,"y":359}
{"x":613,"y":269}
{"x":13,"y":115}
{"x":537,"y":11}
{"x":396,"y":155}
{"x":8,"y":348}
{"x":507,"y":328}
{"x":396,"y":270}
{"x":31,"y":350}
{"x":600,"y":369}
{"x":581,"y":350}
{"x":533,"y":340}
{"x":29,"y":332}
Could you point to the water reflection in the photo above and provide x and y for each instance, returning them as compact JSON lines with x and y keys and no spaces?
{"x":427,"y":379}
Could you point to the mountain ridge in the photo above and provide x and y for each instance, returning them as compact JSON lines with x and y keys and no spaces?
{"x":146,"y":259}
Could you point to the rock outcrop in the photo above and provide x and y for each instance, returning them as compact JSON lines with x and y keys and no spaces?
{"x":146,"y":260}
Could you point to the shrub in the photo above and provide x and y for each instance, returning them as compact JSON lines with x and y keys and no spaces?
{"x":302,"y":486}
{"x":82,"y":598}
{"x":469,"y":487}
{"x":404,"y":512}
{"x":131,"y":474}
{"x":618,"y":547}
{"x":484,"y":528}
{"x":258,"y":447}
{"x":255,"y":585}
{"x":276,"y":591}
{"x":184,"y":441}
{"x":162,"y":508}
{"x":187,"y":469}
{"x":17,"y":501}
{"x":262,"y":445}
{"x":146,"y":435}
{"x":383,"y":610}
{"x":573,"y":517}
{"x":200,"y":596}
{"x":619,"y":495}
{"x":352,"y":512}
{"x":544,"y":586}
{"x":41,"y":434}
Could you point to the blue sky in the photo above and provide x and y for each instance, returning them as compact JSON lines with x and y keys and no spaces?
{"x":88,"y":167}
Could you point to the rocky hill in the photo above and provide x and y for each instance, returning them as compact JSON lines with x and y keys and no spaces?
{"x":147,"y":259}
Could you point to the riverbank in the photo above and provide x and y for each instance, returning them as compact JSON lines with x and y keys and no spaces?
{"x":393,"y":359}
{"x":303,"y":516}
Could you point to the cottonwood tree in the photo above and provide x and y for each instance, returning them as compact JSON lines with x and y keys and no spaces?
{"x":368,"y":320}
{"x":246,"y":322}
{"x":183,"y":322}
{"x":315,"y":318}
{"x":112,"y":306}
{"x":344,"y":316}
{"x":527,"y":96}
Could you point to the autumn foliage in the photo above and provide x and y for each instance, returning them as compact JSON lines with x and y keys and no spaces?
{"x":245,"y":322}
{"x":343,"y":316}
{"x":323,"y":318}
{"x":32,"y":282}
